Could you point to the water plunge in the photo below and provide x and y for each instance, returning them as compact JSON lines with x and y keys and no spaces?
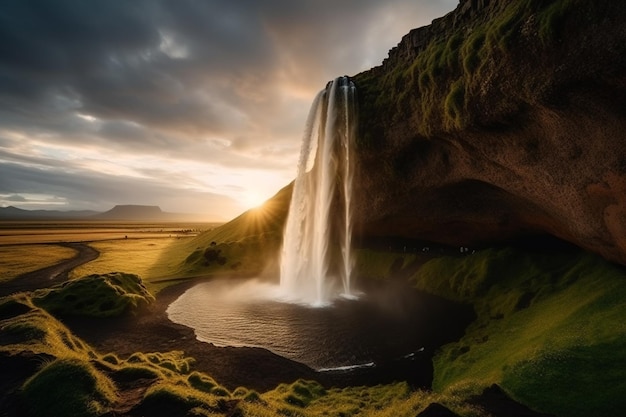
{"x":316,"y":263}
{"x":386,"y":330}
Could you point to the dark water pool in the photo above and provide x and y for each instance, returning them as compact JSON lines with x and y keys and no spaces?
{"x":385,"y":324}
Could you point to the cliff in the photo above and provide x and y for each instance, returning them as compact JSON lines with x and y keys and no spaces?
{"x":499,"y":120}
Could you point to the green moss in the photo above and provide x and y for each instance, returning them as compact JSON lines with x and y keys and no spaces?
{"x":14,"y":306}
{"x":302,"y":392}
{"x":551,"y":20}
{"x":95,"y":295}
{"x":201,"y":382}
{"x":138,"y":357}
{"x":416,"y":91}
{"x":470,"y":51}
{"x":455,"y":104}
{"x":131,"y":372}
{"x":111,"y":358}
{"x":220,"y":392}
{"x":174,"y":400}
{"x":548,"y":330}
{"x":240,"y":392}
{"x":68,"y":387}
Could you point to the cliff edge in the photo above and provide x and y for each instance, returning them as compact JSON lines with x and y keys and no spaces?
{"x":499,"y":120}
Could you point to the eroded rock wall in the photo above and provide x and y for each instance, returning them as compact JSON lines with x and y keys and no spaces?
{"x":501,"y":119}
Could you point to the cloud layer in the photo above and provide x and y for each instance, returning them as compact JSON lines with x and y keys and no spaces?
{"x":195,"y":106}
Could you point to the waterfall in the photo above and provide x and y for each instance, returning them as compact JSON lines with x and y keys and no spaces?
{"x":316,"y":263}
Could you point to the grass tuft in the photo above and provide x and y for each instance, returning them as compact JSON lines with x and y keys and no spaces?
{"x":104,"y":295}
{"x":175,"y":400}
{"x":68,"y":387}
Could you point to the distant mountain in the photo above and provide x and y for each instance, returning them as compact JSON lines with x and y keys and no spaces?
{"x":120,"y":212}
{"x":14,"y":213}
{"x":136,"y":213}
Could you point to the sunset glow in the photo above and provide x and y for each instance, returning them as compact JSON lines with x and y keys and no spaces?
{"x":195,"y":107}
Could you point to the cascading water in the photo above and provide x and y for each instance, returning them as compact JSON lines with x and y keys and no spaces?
{"x":316,"y":267}
{"x":316,"y":262}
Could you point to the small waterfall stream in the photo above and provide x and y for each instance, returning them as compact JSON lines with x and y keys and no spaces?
{"x":316,"y":263}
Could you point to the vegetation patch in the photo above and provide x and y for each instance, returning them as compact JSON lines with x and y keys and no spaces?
{"x":549,"y":329}
{"x":175,"y":400}
{"x":447,"y":86}
{"x":104,"y":295}
{"x":68,"y":387}
{"x":40,"y":256}
{"x":247,"y":245}
{"x":147,"y":258}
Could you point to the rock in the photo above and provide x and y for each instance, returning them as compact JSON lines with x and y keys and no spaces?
{"x":498,"y":122}
{"x":497,"y":403}
{"x":436,"y":410}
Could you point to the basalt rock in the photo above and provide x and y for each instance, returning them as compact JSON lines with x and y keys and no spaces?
{"x":499,"y":120}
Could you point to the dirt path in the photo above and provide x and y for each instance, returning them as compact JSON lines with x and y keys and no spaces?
{"x":51,"y":275}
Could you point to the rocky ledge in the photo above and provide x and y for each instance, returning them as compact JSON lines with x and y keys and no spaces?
{"x":499,"y":120}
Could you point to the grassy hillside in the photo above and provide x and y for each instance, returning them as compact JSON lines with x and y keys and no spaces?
{"x":247,"y":245}
{"x":550,"y":329}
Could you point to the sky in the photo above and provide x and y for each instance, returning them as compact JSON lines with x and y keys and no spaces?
{"x":197,"y":106}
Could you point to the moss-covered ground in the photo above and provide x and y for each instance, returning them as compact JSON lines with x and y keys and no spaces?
{"x":550,"y":329}
{"x":55,"y":373}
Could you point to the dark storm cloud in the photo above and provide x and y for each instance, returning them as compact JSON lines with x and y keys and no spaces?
{"x":221,"y":81}
{"x":163,"y":63}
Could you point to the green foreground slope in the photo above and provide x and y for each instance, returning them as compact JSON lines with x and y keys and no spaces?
{"x":549,"y":329}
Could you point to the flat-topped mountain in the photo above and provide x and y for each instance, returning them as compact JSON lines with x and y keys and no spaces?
{"x":134,"y":212}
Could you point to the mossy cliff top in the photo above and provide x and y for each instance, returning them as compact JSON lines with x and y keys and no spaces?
{"x":500,"y":119}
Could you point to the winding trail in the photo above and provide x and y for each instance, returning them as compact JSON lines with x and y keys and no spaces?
{"x":51,"y":275}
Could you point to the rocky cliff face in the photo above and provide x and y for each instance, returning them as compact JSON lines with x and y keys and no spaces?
{"x":499,"y":120}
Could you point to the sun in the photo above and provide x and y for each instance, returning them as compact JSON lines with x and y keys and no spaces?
{"x":253,"y":199}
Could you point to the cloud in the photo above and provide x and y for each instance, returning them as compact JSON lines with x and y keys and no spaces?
{"x":15,"y":197}
{"x":225,"y":83}
{"x":100,"y":192}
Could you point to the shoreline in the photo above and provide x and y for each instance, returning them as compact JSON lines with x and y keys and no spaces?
{"x":252,"y":367}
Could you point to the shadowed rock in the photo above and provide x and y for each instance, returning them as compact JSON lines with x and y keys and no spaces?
{"x":497,"y":403}
{"x":499,"y":121}
{"x":437,"y":410}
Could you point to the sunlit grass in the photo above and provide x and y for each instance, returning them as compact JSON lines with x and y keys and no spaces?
{"x":20,"y":259}
{"x":71,"y":378}
{"x":247,"y":245}
{"x":69,"y":387}
{"x":147,"y":258}
{"x":104,"y":295}
{"x":550,"y":329}
{"x":309,"y":399}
